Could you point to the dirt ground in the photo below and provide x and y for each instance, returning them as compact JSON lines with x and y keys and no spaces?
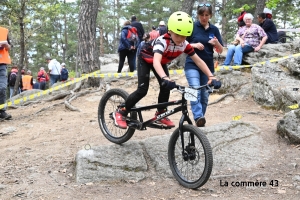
{"x":38,"y":158}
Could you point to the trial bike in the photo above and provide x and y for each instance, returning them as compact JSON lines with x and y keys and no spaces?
{"x":189,"y":151}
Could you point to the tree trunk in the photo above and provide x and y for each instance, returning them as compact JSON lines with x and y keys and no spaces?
{"x":224,"y":22}
{"x":187,"y":6}
{"x":87,"y":51}
{"x":260,"y":5}
{"x":22,"y":45}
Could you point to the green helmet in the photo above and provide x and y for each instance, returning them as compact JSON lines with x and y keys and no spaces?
{"x":181,"y":23}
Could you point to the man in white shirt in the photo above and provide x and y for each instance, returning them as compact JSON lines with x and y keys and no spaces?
{"x":54,"y":70}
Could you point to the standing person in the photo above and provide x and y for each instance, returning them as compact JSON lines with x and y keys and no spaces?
{"x":42,"y":78}
{"x":154,"y":57}
{"x":54,"y":70}
{"x":162,"y":29}
{"x":251,"y":36}
{"x":205,"y":37}
{"x":4,"y":61}
{"x":126,"y":49}
{"x":140,"y":29}
{"x":269,"y":27}
{"x":64,"y":74}
{"x":11,"y":80}
{"x":27,"y":81}
{"x":154,"y":33}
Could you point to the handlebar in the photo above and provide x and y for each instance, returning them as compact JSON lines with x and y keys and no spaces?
{"x":181,"y":89}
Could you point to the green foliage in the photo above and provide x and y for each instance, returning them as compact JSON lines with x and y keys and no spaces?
{"x":51,"y":25}
{"x":72,"y":74}
{"x":244,"y":7}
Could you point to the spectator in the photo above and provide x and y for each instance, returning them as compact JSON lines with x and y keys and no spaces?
{"x":154,"y":57}
{"x":54,"y":70}
{"x":4,"y":61}
{"x":126,"y":49}
{"x":205,"y":37}
{"x":42,"y":78}
{"x":64,"y":74}
{"x":11,"y":80}
{"x":251,"y":36}
{"x":27,"y":81}
{"x":269,"y":27}
{"x":141,"y":32}
{"x":162,"y":29}
{"x":154,"y":33}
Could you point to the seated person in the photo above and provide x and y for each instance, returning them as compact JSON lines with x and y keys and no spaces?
{"x":251,"y":36}
{"x":269,"y":27}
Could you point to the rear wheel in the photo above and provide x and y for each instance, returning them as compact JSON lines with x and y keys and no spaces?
{"x":285,"y":39}
{"x":108,"y":104}
{"x":192,"y":165}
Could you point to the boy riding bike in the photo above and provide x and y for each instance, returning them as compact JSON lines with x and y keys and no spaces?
{"x":163,"y":50}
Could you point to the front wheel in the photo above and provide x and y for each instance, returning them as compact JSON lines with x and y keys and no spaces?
{"x":191,"y":165}
{"x":108,"y":104}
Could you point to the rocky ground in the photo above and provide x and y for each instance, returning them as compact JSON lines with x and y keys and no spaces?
{"x":38,"y":148}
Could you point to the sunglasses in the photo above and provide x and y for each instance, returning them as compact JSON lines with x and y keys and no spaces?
{"x":204,"y":5}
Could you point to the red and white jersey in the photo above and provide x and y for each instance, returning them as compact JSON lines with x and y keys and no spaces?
{"x":165,"y":46}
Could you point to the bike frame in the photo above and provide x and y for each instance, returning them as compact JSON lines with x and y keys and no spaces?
{"x":141,"y":125}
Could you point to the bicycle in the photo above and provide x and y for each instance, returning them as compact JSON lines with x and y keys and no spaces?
{"x":189,"y":151}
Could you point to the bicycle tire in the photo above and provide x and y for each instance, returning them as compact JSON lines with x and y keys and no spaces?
{"x":194,"y":172}
{"x":109,"y":104}
{"x":285,"y":39}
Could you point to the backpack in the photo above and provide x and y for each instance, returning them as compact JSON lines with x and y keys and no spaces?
{"x":132,"y":35}
{"x":12,"y":78}
{"x":64,"y":74}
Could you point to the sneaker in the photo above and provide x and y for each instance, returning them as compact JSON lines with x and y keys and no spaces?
{"x":200,"y":122}
{"x":120,"y":120}
{"x":165,"y":121}
{"x":4,"y":115}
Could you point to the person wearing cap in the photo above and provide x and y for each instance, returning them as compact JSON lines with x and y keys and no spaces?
{"x":140,"y":31}
{"x":154,"y":33}
{"x":27,"y":81}
{"x":162,"y":29}
{"x":4,"y":61}
{"x":64,"y":74}
{"x":54,"y":70}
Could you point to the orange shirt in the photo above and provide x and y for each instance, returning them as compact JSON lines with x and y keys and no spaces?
{"x":4,"y":55}
{"x":26,"y":81}
{"x":154,"y":34}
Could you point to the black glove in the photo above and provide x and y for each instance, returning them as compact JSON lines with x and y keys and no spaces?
{"x":168,"y":84}
{"x":217,"y":84}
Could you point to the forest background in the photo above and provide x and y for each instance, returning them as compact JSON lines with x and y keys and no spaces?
{"x":78,"y":32}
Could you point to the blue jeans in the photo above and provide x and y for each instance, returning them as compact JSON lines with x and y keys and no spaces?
{"x":54,"y":78}
{"x":11,"y":91}
{"x":237,"y":53}
{"x":3,"y":85}
{"x":196,"y":78}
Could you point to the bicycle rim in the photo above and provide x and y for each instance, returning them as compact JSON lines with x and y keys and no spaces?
{"x":108,"y":104}
{"x":194,"y":170}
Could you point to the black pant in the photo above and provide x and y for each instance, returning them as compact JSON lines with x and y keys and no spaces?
{"x":143,"y":85}
{"x":130,"y":54}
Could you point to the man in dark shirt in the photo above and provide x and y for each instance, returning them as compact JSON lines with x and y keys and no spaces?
{"x":269,"y":27}
{"x":140,"y":30}
{"x":138,"y":26}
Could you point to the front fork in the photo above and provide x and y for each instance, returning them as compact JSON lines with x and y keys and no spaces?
{"x":185,"y":150}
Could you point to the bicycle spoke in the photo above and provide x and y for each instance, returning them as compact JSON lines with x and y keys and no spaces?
{"x":189,"y":164}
